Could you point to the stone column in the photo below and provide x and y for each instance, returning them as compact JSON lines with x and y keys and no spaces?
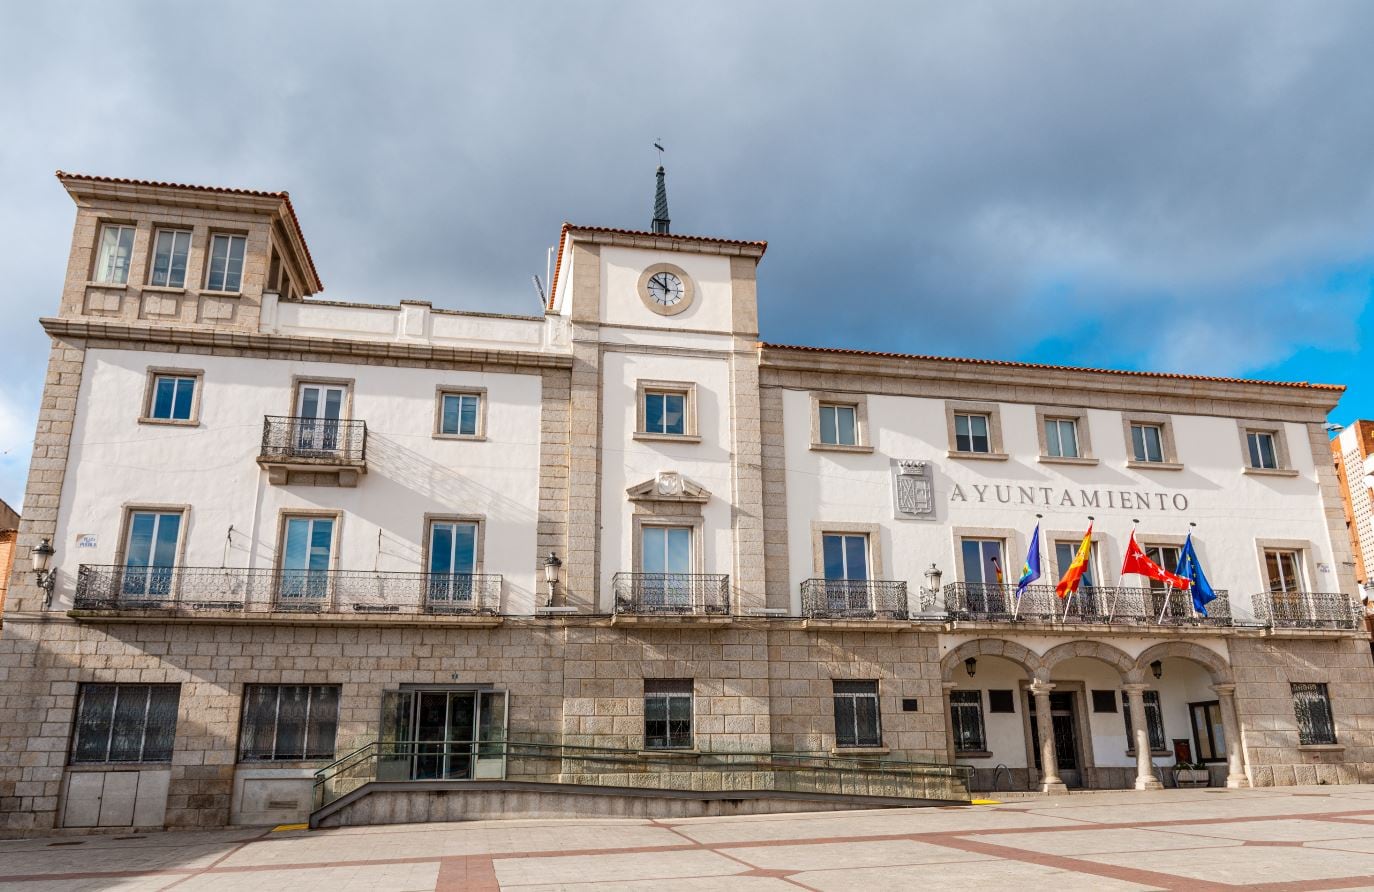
{"x":949,"y":720}
{"x":1050,"y":781}
{"x":1235,"y":755}
{"x":1144,"y":766}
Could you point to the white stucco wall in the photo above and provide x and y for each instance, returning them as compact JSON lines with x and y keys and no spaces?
{"x":115,"y":461}
{"x":627,"y":462}
{"x":621,"y":303}
{"x":1232,"y":509}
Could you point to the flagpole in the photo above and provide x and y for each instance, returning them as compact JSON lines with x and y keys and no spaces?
{"x":1192,"y":604}
{"x":1068,"y":602}
{"x":1121,"y":577}
{"x":1168,"y":591}
{"x":1016,"y":608}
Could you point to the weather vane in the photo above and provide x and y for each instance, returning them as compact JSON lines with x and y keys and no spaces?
{"x":659,"y":145}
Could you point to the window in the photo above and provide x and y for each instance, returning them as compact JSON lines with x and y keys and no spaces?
{"x":1061,"y":438}
{"x":1064,"y":553}
{"x":112,"y":261}
{"x":1316,"y":726}
{"x":856,"y":714}
{"x":1001,"y":701}
{"x":172,"y":398}
{"x":452,"y":560}
{"x":845,"y":556}
{"x":666,"y":549}
{"x":1154,"y":721}
{"x":170,"y":249}
{"x":1165,"y":556}
{"x":226,"y":263}
{"x":665,"y":413}
{"x":667,"y":713}
{"x":126,"y":722}
{"x":966,"y":718}
{"x":1282,"y":569}
{"x":1208,"y":731}
{"x":288,"y":722}
{"x":839,"y":425}
{"x":307,"y":550}
{"x":150,"y":553}
{"x":1147,"y":442}
{"x":982,"y":561}
{"x":1104,"y":701}
{"x":460,"y":414}
{"x":971,"y":433}
{"x":1263,"y":455}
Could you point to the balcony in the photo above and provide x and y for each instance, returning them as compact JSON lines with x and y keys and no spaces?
{"x":191,"y":591}
{"x":313,"y":450}
{"x":1307,"y":610}
{"x":857,"y":599}
{"x":673,"y":596}
{"x":983,"y":602}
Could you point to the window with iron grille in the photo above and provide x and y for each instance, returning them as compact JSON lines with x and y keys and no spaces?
{"x":126,"y":723}
{"x":291,"y":722}
{"x":1313,"y":708}
{"x":667,"y":713}
{"x":856,"y":714}
{"x":1154,"y":721}
{"x":966,"y":717}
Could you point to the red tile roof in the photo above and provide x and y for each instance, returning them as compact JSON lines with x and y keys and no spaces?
{"x":223,"y":190}
{"x":562,"y":237}
{"x":1057,"y":368}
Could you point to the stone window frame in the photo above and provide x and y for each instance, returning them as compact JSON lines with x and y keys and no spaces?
{"x":859,"y":402}
{"x":150,"y":260}
{"x":299,"y":381}
{"x":993,"y":411}
{"x":1099,"y":562}
{"x":860,"y":748}
{"x":242,"y":757}
{"x":1011,"y":543}
{"x":873,"y":531}
{"x":285,"y":514}
{"x":211,"y":235}
{"x":128,"y":509}
{"x":664,"y":518}
{"x":102,"y":223}
{"x":691,"y":747}
{"x":1082,"y":433}
{"x":1167,"y":445}
{"x":1307,"y":569}
{"x":688,"y":389}
{"x":444,"y":390}
{"x":150,"y":393}
{"x":1282,"y":453}
{"x":478,"y":547}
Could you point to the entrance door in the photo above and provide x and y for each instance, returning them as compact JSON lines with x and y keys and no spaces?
{"x":319,"y":409}
{"x":1065,"y":736}
{"x":445,"y":723}
{"x":442,"y":735}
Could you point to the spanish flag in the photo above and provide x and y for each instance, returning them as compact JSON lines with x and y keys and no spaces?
{"x":1074,"y":575}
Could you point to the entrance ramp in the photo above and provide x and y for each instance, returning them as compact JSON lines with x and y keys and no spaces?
{"x":393,"y":782}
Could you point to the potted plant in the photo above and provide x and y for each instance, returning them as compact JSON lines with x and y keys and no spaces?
{"x":1188,"y":774}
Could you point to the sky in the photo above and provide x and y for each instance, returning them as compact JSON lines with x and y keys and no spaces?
{"x":1166,"y":185}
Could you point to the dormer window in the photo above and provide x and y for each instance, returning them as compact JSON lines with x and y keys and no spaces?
{"x":226,"y":263}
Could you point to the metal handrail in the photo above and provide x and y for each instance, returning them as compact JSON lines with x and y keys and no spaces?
{"x":855,"y":598}
{"x":1307,"y":610}
{"x":689,"y":594}
{"x":997,"y":602}
{"x":332,"y":441}
{"x":258,"y":590}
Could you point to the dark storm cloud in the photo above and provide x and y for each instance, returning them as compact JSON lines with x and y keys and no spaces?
{"x":952,"y":178}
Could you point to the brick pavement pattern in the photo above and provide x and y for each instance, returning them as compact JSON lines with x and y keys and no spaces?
{"x":1303,"y":838}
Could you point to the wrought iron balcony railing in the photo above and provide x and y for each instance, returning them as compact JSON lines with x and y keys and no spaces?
{"x":687,"y":594}
{"x":197,"y":589}
{"x":314,"y":440}
{"x":1307,"y":610}
{"x":854,"y":598}
{"x":1091,"y":604}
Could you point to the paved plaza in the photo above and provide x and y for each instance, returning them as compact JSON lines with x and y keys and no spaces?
{"x":1299,"y":838}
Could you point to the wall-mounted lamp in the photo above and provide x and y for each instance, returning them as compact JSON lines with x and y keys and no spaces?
{"x":1157,"y":669}
{"x":44,"y":577}
{"x":932,"y":588}
{"x":551,"y":567}
{"x":971,"y":667}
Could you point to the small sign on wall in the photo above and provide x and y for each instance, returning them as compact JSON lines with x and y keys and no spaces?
{"x":85,"y":540}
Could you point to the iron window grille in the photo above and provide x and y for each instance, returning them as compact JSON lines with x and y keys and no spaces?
{"x":288,"y":722}
{"x":125,"y":723}
{"x":966,"y":717}
{"x":1316,"y":725}
{"x":857,"y":722}
{"x":667,"y":713}
{"x":1154,"y":721}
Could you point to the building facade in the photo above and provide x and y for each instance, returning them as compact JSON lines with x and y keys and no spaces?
{"x":1352,"y":450}
{"x":429,"y":546}
{"x":9,"y":536}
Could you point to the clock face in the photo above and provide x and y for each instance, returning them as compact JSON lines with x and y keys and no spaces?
{"x":665,"y":288}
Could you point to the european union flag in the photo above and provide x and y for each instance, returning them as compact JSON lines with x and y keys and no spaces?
{"x":1030,"y":570}
{"x":1190,"y":568}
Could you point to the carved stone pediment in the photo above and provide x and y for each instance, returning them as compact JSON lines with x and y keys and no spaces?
{"x":668,"y":486}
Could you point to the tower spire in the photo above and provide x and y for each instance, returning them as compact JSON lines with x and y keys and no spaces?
{"x":661,"y":220}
